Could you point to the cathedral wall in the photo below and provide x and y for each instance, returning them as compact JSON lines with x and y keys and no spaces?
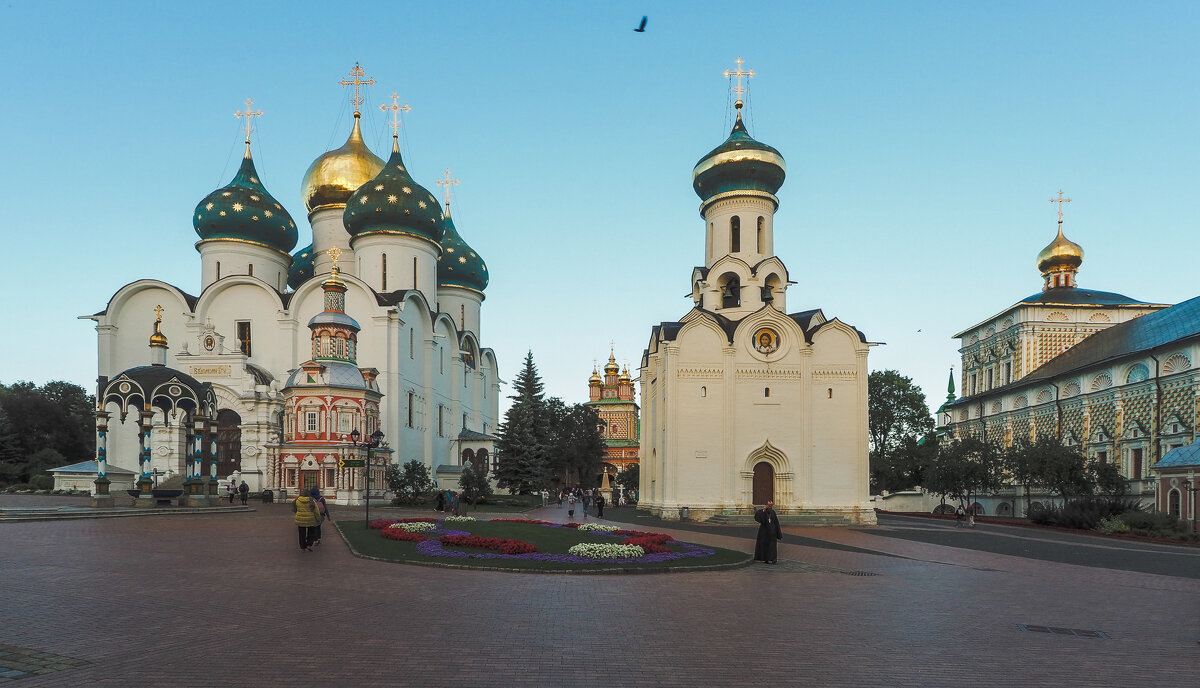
{"x":463,"y":306}
{"x":125,"y":330}
{"x":242,"y":301}
{"x":752,"y":245}
{"x":369,"y":252}
{"x":221,"y":258}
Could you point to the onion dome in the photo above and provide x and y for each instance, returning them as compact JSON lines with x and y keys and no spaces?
{"x":611,"y":367}
{"x":335,"y":175}
{"x":595,"y":378}
{"x":243,"y":210}
{"x":1062,"y":254}
{"x":158,"y":339}
{"x":625,"y":374}
{"x":392,"y":203}
{"x":739,"y":164}
{"x":302,"y":267}
{"x":459,"y":265}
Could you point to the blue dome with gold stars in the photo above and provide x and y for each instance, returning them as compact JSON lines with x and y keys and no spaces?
{"x":243,"y":210}
{"x":392,"y":203}
{"x":459,"y":265}
{"x":302,"y":267}
{"x":739,"y":164}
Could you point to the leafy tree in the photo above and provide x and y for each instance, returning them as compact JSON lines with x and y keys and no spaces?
{"x":576,"y":446}
{"x":410,"y":481}
{"x":897,"y":417}
{"x":473,"y":484}
{"x":966,"y":468}
{"x":1109,"y":480}
{"x":629,"y":480}
{"x":523,"y":438}
{"x":57,"y":415}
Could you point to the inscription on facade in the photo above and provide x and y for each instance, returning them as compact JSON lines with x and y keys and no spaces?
{"x":211,"y":370}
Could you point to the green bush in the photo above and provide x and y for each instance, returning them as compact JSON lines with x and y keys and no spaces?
{"x":42,"y":482}
{"x":16,"y":488}
{"x":1086,"y":513}
{"x":1109,"y":526}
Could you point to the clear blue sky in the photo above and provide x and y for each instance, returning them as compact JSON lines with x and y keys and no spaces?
{"x":923,"y":140}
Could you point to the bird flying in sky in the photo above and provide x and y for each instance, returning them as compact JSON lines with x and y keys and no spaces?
{"x":641,"y":27}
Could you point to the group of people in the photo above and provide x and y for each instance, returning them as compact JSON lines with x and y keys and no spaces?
{"x":584,"y":499}
{"x":451,"y":502}
{"x":310,"y":511}
{"x":235,"y":490}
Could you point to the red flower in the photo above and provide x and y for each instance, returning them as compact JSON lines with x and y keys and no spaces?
{"x":500,"y":545}
{"x":381,"y":523}
{"x":402,"y":534}
{"x":660,"y":538}
{"x":422,"y":519}
{"x":652,"y":544}
{"x":522,"y":520}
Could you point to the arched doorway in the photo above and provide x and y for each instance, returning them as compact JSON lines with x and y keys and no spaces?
{"x":764,"y":482}
{"x":229,"y":442}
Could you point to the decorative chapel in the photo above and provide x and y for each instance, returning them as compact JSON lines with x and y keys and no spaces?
{"x":744,"y":402}
{"x":612,"y":397}
{"x":372,"y":330}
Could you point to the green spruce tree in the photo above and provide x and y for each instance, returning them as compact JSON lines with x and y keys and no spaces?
{"x":523,"y":438}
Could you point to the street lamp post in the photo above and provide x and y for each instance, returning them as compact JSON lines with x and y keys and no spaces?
{"x":374,"y":441}
{"x":1191,"y":491}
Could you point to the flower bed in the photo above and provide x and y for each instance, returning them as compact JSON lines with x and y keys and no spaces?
{"x":596,"y":528}
{"x":459,"y":519}
{"x":643,"y":533}
{"x":651,"y":545}
{"x":501,"y":545}
{"x":597,"y":550}
{"x":414,"y":526}
{"x":522,"y":520}
{"x":402,"y":535}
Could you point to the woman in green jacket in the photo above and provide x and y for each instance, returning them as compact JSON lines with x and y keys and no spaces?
{"x":307,"y":519}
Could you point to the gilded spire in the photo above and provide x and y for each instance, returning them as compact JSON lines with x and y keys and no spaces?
{"x":738,"y":90}
{"x":357,"y":82}
{"x":396,"y":109}
{"x":1061,"y":258}
{"x":158,"y":339}
{"x":448,"y":192}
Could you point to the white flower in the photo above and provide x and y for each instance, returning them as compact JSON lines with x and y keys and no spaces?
{"x":597,"y":527}
{"x":414,"y":527}
{"x":459,"y":519}
{"x":606,"y":551}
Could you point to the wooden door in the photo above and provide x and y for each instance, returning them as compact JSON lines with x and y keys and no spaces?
{"x":764,"y":482}
{"x":309,"y":481}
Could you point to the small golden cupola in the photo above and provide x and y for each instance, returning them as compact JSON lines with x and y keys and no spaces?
{"x":158,"y":340}
{"x":337,"y":174}
{"x":1060,"y":260}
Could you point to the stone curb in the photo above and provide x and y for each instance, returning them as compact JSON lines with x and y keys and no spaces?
{"x":7,"y":515}
{"x":585,"y":572}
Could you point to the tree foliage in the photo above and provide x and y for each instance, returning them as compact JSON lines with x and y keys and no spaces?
{"x":523,"y":439}
{"x":576,"y":445}
{"x":56,"y":416}
{"x":966,"y":468}
{"x":897,"y":418}
{"x":1048,"y":464}
{"x":473,"y":483}
{"x":629,"y":480}
{"x":410,"y":481}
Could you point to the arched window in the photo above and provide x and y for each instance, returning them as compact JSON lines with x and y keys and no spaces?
{"x":383,"y":274}
{"x":218,"y":269}
{"x":462,"y":317}
{"x":468,"y":455}
{"x":251,"y":270}
{"x":464,"y":425}
{"x":412,"y":351}
{"x":766,"y":392}
{"x":410,"y":409}
{"x":415,"y":272}
{"x":703,"y":391}
{"x":481,"y":459}
{"x":735,"y":234}
{"x":1173,"y":503}
{"x":762,"y":238}
{"x":731,"y":292}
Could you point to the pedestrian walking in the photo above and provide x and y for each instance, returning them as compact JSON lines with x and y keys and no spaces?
{"x":545,"y":496}
{"x":306,"y":519}
{"x":322,"y":514}
{"x":441,"y":500}
{"x":766,"y":547}
{"x":600,"y":506}
{"x":231,"y":489}
{"x":571,"y":505}
{"x":244,"y":491}
{"x":971,"y":516}
{"x":586,"y":498}
{"x":958,"y":516}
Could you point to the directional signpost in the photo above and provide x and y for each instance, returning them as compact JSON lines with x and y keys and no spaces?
{"x":352,"y":463}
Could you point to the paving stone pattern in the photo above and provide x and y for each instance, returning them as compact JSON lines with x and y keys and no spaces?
{"x":220,"y":600}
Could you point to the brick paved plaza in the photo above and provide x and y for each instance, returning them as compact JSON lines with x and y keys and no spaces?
{"x":228,"y":600}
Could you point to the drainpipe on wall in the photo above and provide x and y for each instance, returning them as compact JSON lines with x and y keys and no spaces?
{"x":1157,"y":415}
{"x":1058,"y":405}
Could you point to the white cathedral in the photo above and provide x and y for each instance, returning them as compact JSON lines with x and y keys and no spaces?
{"x":743,"y":402}
{"x":374,"y":327}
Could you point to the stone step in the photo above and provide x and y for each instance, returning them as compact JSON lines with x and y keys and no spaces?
{"x":784,"y":519}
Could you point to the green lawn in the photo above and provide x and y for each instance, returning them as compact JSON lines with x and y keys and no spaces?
{"x":371,"y":543}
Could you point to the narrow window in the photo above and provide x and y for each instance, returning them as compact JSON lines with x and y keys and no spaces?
{"x":310,"y":421}
{"x":218,"y":269}
{"x":1007,"y":372}
{"x":464,"y":425}
{"x":251,"y":272}
{"x":989,"y":379}
{"x":735,"y":234}
{"x":1135,"y":472}
{"x":462,"y":317}
{"x":1173,"y":503}
{"x":243,"y":335}
{"x":442,"y":361}
{"x":383,"y":274}
{"x":411,"y":349}
{"x":410,"y":409}
{"x":830,"y":392}
{"x":415,"y":272}
{"x":766,"y":391}
{"x":703,"y":392}
{"x":441,"y":421}
{"x":762,"y":246}
{"x":1102,"y":457}
{"x":329,"y":477}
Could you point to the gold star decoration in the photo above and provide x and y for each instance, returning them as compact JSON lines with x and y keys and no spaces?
{"x":278,"y":207}
{"x":450,"y":250}
{"x":407,"y":211}
{"x":222,"y":213}
{"x":253,"y":198}
{"x":406,"y":190}
{"x":267,"y":213}
{"x":208,"y":207}
{"x":254,"y":217}
{"x":226,"y":194}
{"x":472,"y":254}
{"x":462,"y":259}
{"x":392,"y":198}
{"x":421,"y":205}
{"x":237,"y":207}
{"x":379,"y":187}
{"x":253,"y":181}
{"x":364,"y":200}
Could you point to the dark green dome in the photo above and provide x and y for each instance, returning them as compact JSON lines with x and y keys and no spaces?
{"x":244,"y":210}
{"x":459,"y":265}
{"x":302,"y":267}
{"x":392,"y":203}
{"x":739,"y":164}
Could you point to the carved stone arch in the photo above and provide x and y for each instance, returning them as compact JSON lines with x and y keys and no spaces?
{"x":210,"y":295}
{"x":1044,"y":395}
{"x":703,"y":323}
{"x":1099,"y":318}
{"x":1136,"y":373}
{"x":774,"y":462}
{"x":1101,"y":381}
{"x":1176,"y":363}
{"x":1057,"y":316}
{"x":119,"y":300}
{"x":1020,"y":402}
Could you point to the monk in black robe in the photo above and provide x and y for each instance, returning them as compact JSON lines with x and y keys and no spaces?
{"x":769,"y":533}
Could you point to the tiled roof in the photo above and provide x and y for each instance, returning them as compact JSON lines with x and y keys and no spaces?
{"x":1181,"y":457}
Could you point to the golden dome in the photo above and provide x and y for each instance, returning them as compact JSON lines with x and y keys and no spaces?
{"x":611,"y":367}
{"x":335,"y":175}
{"x":595,"y":378}
{"x":625,"y":374}
{"x":158,"y":339}
{"x":1060,"y":254}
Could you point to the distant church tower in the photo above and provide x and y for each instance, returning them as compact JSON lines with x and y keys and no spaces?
{"x":743,"y":402}
{"x":612,"y":398}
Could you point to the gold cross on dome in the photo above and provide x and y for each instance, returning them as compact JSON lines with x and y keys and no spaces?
{"x":1060,"y":200}
{"x":739,"y":73}
{"x":158,"y":311}
{"x":334,"y":254}
{"x":448,"y":193}
{"x":357,"y":82}
{"x":395,"y":107}
{"x":249,"y":115}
